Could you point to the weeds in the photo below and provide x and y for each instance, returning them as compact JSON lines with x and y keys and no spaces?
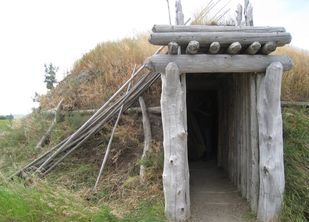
{"x":296,"y":150}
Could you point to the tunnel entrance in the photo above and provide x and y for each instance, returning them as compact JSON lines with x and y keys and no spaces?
{"x":202,"y":119}
{"x":202,"y":116}
{"x":211,"y":189}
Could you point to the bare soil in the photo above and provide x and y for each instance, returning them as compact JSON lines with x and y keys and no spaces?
{"x":213,"y":197}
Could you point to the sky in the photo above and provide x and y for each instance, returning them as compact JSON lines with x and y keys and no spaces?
{"x":38,"y":32}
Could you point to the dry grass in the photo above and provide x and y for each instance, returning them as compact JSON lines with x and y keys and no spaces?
{"x":295,"y":85}
{"x":99,"y":73}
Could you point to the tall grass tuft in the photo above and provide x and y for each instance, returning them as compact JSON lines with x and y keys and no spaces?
{"x":295,"y":84}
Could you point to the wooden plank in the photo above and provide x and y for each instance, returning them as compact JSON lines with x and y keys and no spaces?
{"x":206,"y":38}
{"x":242,"y":130}
{"x":202,"y":63}
{"x":254,"y":190}
{"x":176,"y":171}
{"x":212,"y":28}
{"x":271,"y":144}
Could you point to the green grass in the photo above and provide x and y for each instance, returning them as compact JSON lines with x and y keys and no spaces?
{"x":4,"y":125}
{"x":296,"y":151}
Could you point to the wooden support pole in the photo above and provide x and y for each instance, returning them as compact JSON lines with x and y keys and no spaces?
{"x":193,"y":47}
{"x":202,"y":63}
{"x":254,"y":189}
{"x":238,"y":15}
{"x":50,"y":129}
{"x":214,"y":48}
{"x":147,"y":138}
{"x":107,"y":151}
{"x":271,"y":144}
{"x":176,"y":170}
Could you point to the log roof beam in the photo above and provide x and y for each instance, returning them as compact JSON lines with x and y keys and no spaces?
{"x":220,"y":63}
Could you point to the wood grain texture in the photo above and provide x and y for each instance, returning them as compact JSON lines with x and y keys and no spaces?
{"x":271,"y":168}
{"x":214,"y":48}
{"x":253,"y":48}
{"x":268,"y":48}
{"x":176,"y":170}
{"x":206,"y":38}
{"x":212,"y":28}
{"x":172,"y":48}
{"x":217,"y":63}
{"x":234,"y":48}
{"x":192,"y":47}
{"x":147,"y":138}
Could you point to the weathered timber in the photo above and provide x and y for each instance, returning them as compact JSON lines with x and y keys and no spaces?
{"x":214,"y":48}
{"x":271,"y":144}
{"x":176,"y":171}
{"x":294,"y":103}
{"x":45,"y":137}
{"x":147,"y":138}
{"x":268,"y":48}
{"x":249,"y":15}
{"x":107,"y":151}
{"x":234,"y":48}
{"x":254,"y":182}
{"x":179,"y":14}
{"x":206,"y":38}
{"x":238,"y":15}
{"x":173,"y":48}
{"x":253,"y":48}
{"x":192,"y":47}
{"x":217,"y":63}
{"x":211,"y":28}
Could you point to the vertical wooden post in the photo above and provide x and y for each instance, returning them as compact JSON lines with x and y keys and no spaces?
{"x":176,"y":170}
{"x":271,"y":168}
{"x":254,"y":146}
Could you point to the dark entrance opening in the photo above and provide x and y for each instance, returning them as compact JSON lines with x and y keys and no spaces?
{"x":202,"y":118}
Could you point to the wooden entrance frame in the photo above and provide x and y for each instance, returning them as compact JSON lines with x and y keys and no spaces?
{"x":250,"y":146}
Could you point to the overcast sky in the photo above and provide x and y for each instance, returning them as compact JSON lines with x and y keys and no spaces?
{"x":37,"y":32}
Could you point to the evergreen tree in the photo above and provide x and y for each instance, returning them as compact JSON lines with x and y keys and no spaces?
{"x":50,"y":75}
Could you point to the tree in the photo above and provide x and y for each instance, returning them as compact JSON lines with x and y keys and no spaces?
{"x":50,"y":75}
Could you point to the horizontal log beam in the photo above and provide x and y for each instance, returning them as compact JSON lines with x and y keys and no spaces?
{"x":294,"y":103}
{"x":206,"y":28}
{"x":224,"y":38}
{"x":202,"y":63}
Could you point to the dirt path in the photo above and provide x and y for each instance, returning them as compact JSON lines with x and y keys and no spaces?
{"x":213,"y":197}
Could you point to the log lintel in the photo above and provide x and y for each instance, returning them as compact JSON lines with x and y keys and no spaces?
{"x":203,"y":63}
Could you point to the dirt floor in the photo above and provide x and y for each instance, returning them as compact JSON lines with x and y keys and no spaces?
{"x":213,"y":197}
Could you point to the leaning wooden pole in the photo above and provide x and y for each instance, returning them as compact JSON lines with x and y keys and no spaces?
{"x":271,"y":168}
{"x":51,"y":127}
{"x":147,"y":138}
{"x":111,"y":139}
{"x":176,"y":170}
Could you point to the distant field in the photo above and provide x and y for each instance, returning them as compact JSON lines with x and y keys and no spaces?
{"x":4,"y":124}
